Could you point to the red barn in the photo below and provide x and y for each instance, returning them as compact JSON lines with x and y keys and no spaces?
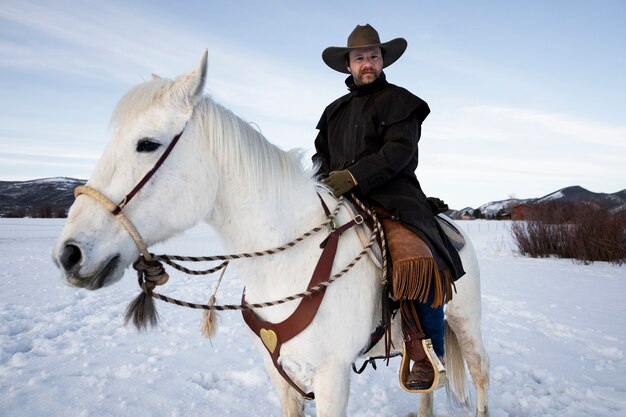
{"x":521,"y":211}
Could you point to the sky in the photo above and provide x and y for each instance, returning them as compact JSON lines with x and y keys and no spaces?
{"x":526,"y":97}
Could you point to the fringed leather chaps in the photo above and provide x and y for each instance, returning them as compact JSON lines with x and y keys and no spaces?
{"x":414,"y":269}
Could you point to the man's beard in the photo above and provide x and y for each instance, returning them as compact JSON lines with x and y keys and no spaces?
{"x":371,"y":74}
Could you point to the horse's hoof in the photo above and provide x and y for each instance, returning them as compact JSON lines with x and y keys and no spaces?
{"x":482,"y":413}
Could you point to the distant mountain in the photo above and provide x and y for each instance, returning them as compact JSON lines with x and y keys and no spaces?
{"x":48,"y":197}
{"x":614,"y":203}
{"x":52,"y":197}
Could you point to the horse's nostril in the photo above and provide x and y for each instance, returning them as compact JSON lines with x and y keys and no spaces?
{"x":70,"y":257}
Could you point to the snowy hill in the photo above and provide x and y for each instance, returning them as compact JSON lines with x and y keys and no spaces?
{"x":48,"y":197}
{"x":615,"y":202}
{"x":53,"y":196}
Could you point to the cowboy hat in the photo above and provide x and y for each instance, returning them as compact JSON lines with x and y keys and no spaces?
{"x":363,"y":37}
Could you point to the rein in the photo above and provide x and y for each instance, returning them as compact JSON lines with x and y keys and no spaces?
{"x":151,"y":273}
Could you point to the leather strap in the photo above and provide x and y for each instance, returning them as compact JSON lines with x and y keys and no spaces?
{"x":273,"y":335}
{"x":412,"y":330}
{"x":148,"y":175}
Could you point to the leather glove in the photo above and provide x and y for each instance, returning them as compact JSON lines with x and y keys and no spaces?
{"x":340,"y":182}
{"x":437,"y":205}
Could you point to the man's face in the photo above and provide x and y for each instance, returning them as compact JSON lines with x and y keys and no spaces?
{"x":365,"y":64}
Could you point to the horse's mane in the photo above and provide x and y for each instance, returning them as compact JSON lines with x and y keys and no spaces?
{"x":243,"y":149}
{"x":246,"y":150}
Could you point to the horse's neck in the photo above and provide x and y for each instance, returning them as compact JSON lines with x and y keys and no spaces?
{"x":264,"y":197}
{"x":247,"y":220}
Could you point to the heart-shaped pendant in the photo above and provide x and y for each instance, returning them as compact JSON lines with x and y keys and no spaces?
{"x":269,"y":338}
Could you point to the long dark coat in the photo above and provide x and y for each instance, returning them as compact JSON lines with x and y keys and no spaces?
{"x":373,"y":132}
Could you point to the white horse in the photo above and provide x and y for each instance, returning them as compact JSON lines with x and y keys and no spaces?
{"x":256,"y":196}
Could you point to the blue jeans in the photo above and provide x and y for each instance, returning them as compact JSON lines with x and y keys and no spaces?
{"x":432,"y":321}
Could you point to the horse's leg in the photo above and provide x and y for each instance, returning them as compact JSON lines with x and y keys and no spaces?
{"x":479,"y":370}
{"x":426,"y":405}
{"x":331,"y":385}
{"x":473,"y":351}
{"x":291,"y":402}
{"x":478,"y":365}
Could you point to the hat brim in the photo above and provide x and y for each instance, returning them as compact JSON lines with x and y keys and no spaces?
{"x":335,"y":56}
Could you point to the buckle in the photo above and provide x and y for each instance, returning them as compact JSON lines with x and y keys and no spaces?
{"x":358,"y":219}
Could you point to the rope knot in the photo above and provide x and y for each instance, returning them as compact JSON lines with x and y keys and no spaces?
{"x":152,"y":271}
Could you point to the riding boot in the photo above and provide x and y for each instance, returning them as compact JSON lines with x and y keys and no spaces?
{"x":427,"y":372}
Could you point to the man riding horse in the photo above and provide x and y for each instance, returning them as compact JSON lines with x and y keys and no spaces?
{"x":368,"y":144}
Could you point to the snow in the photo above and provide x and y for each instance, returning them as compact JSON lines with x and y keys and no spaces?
{"x":554,"y":196}
{"x":53,"y":180}
{"x":494,"y":207}
{"x":555,"y":332}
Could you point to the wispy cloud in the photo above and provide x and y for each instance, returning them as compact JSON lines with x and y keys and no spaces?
{"x":523,"y":127}
{"x":106,"y":41}
{"x":518,"y":150}
{"x":92,"y":40}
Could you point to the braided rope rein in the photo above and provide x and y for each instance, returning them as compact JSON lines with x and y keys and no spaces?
{"x":376,"y":235}
{"x":150,"y":271}
{"x":308,"y":292}
{"x":148,"y":286}
{"x":170,"y":259}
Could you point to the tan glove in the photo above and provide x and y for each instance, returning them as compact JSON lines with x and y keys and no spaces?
{"x":340,"y":182}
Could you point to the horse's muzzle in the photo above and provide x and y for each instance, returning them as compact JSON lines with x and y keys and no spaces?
{"x":69,"y":260}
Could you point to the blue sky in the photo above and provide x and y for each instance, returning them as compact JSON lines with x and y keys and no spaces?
{"x":526,"y":97}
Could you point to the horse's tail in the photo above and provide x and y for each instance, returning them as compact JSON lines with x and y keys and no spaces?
{"x":455,"y":367}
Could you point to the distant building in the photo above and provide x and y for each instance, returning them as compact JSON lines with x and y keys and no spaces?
{"x":521,"y":211}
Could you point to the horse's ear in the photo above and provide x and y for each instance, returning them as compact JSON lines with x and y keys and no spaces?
{"x":187,"y":88}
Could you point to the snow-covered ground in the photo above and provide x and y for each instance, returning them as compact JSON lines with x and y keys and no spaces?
{"x":555,"y":332}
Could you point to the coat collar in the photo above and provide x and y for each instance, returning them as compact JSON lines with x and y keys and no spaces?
{"x":362,"y":90}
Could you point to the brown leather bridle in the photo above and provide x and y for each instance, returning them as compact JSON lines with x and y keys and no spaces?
{"x":116,"y":209}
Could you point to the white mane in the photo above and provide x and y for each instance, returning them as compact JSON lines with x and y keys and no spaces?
{"x":246,"y":151}
{"x":243,"y":150}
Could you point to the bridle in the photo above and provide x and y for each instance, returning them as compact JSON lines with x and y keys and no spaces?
{"x":116,"y":209}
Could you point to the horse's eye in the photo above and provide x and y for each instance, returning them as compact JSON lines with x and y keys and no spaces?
{"x":147,"y":145}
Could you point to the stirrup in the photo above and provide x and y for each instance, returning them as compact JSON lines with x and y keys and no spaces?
{"x":440,"y":376}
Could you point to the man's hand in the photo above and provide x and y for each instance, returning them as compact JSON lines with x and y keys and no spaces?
{"x":340,"y":182}
{"x":437,"y":205}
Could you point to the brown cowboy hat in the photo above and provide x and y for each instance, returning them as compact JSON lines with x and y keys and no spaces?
{"x":362,"y":37}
